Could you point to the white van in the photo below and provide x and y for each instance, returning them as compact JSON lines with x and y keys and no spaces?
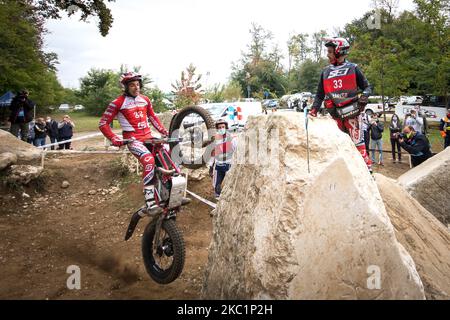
{"x":433,"y":107}
{"x":222,"y":110}
{"x":64,"y":107}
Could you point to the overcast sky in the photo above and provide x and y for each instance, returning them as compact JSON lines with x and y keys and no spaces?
{"x":164,"y":36}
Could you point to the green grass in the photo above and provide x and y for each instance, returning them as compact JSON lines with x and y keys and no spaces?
{"x":83,"y":121}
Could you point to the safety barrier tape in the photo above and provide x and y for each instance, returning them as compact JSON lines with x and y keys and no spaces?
{"x":84,"y":152}
{"x":209,"y":203}
{"x":74,"y":139}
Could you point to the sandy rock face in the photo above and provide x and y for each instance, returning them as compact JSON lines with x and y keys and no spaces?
{"x":24,"y":151}
{"x":23,"y":174}
{"x":282,"y":233}
{"x":7,"y":159}
{"x":197,"y":174}
{"x":425,"y":238}
{"x":429,"y":183}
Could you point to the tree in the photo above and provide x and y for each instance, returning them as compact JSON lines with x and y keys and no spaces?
{"x":215,"y":93}
{"x":420,"y":64}
{"x":23,"y":63}
{"x":389,"y":6}
{"x":260,"y":68}
{"x":306,"y":76}
{"x":98,"y":88}
{"x":53,"y":8}
{"x":435,"y":16}
{"x":317,"y":44}
{"x":188,"y":89}
{"x":157,"y":97}
{"x":232,"y":91}
{"x":298,"y":49}
{"x":258,"y":44}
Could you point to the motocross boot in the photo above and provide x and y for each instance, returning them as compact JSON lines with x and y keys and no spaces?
{"x":149,"y":195}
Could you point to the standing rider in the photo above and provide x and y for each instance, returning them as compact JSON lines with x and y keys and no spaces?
{"x":134,"y":112}
{"x":339,"y":84}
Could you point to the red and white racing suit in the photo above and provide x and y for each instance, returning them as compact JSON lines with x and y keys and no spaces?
{"x":134,"y":114}
{"x":337,"y":84}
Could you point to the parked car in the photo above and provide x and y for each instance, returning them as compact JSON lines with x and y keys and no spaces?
{"x":270,"y":103}
{"x":375,"y":105}
{"x":78,"y":107}
{"x":64,"y":107}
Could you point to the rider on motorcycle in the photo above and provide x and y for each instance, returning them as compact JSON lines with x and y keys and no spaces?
{"x":338,"y":85}
{"x":134,"y":112}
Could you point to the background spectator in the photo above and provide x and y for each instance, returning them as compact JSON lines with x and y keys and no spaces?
{"x":376,"y":135}
{"x":365,"y":128}
{"x":40,"y":132}
{"x":395,"y":128}
{"x":21,"y":114}
{"x":415,"y":121}
{"x":65,"y":132}
{"x":416,"y":144}
{"x":425,"y":127}
{"x":444,"y":128}
{"x":52,"y":131}
{"x":408,"y":120}
{"x":30,"y":138}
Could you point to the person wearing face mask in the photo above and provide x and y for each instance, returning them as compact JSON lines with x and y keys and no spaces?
{"x":220,"y":163}
{"x":444,"y":128}
{"x":395,"y":127}
{"x":416,"y":144}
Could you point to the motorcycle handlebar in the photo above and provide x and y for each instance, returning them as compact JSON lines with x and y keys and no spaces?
{"x":156,"y":140}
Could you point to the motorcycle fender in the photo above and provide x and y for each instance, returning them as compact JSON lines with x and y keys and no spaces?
{"x":177,"y":191}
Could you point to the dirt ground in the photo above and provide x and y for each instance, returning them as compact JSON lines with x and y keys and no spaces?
{"x":56,"y":228}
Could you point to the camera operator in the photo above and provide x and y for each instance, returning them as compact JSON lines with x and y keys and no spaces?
{"x":21,"y":115}
{"x":416,"y":144}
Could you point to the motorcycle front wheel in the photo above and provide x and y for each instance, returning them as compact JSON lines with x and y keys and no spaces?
{"x":164,"y":262}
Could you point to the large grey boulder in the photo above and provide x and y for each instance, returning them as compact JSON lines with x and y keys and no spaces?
{"x":24,"y":151}
{"x":425,"y":238}
{"x":280,"y":232}
{"x":429,"y":184}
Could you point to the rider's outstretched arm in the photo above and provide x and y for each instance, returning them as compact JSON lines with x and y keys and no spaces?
{"x":106,"y":119}
{"x":320,"y":94}
{"x":363,"y":83}
{"x":153,"y":118}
